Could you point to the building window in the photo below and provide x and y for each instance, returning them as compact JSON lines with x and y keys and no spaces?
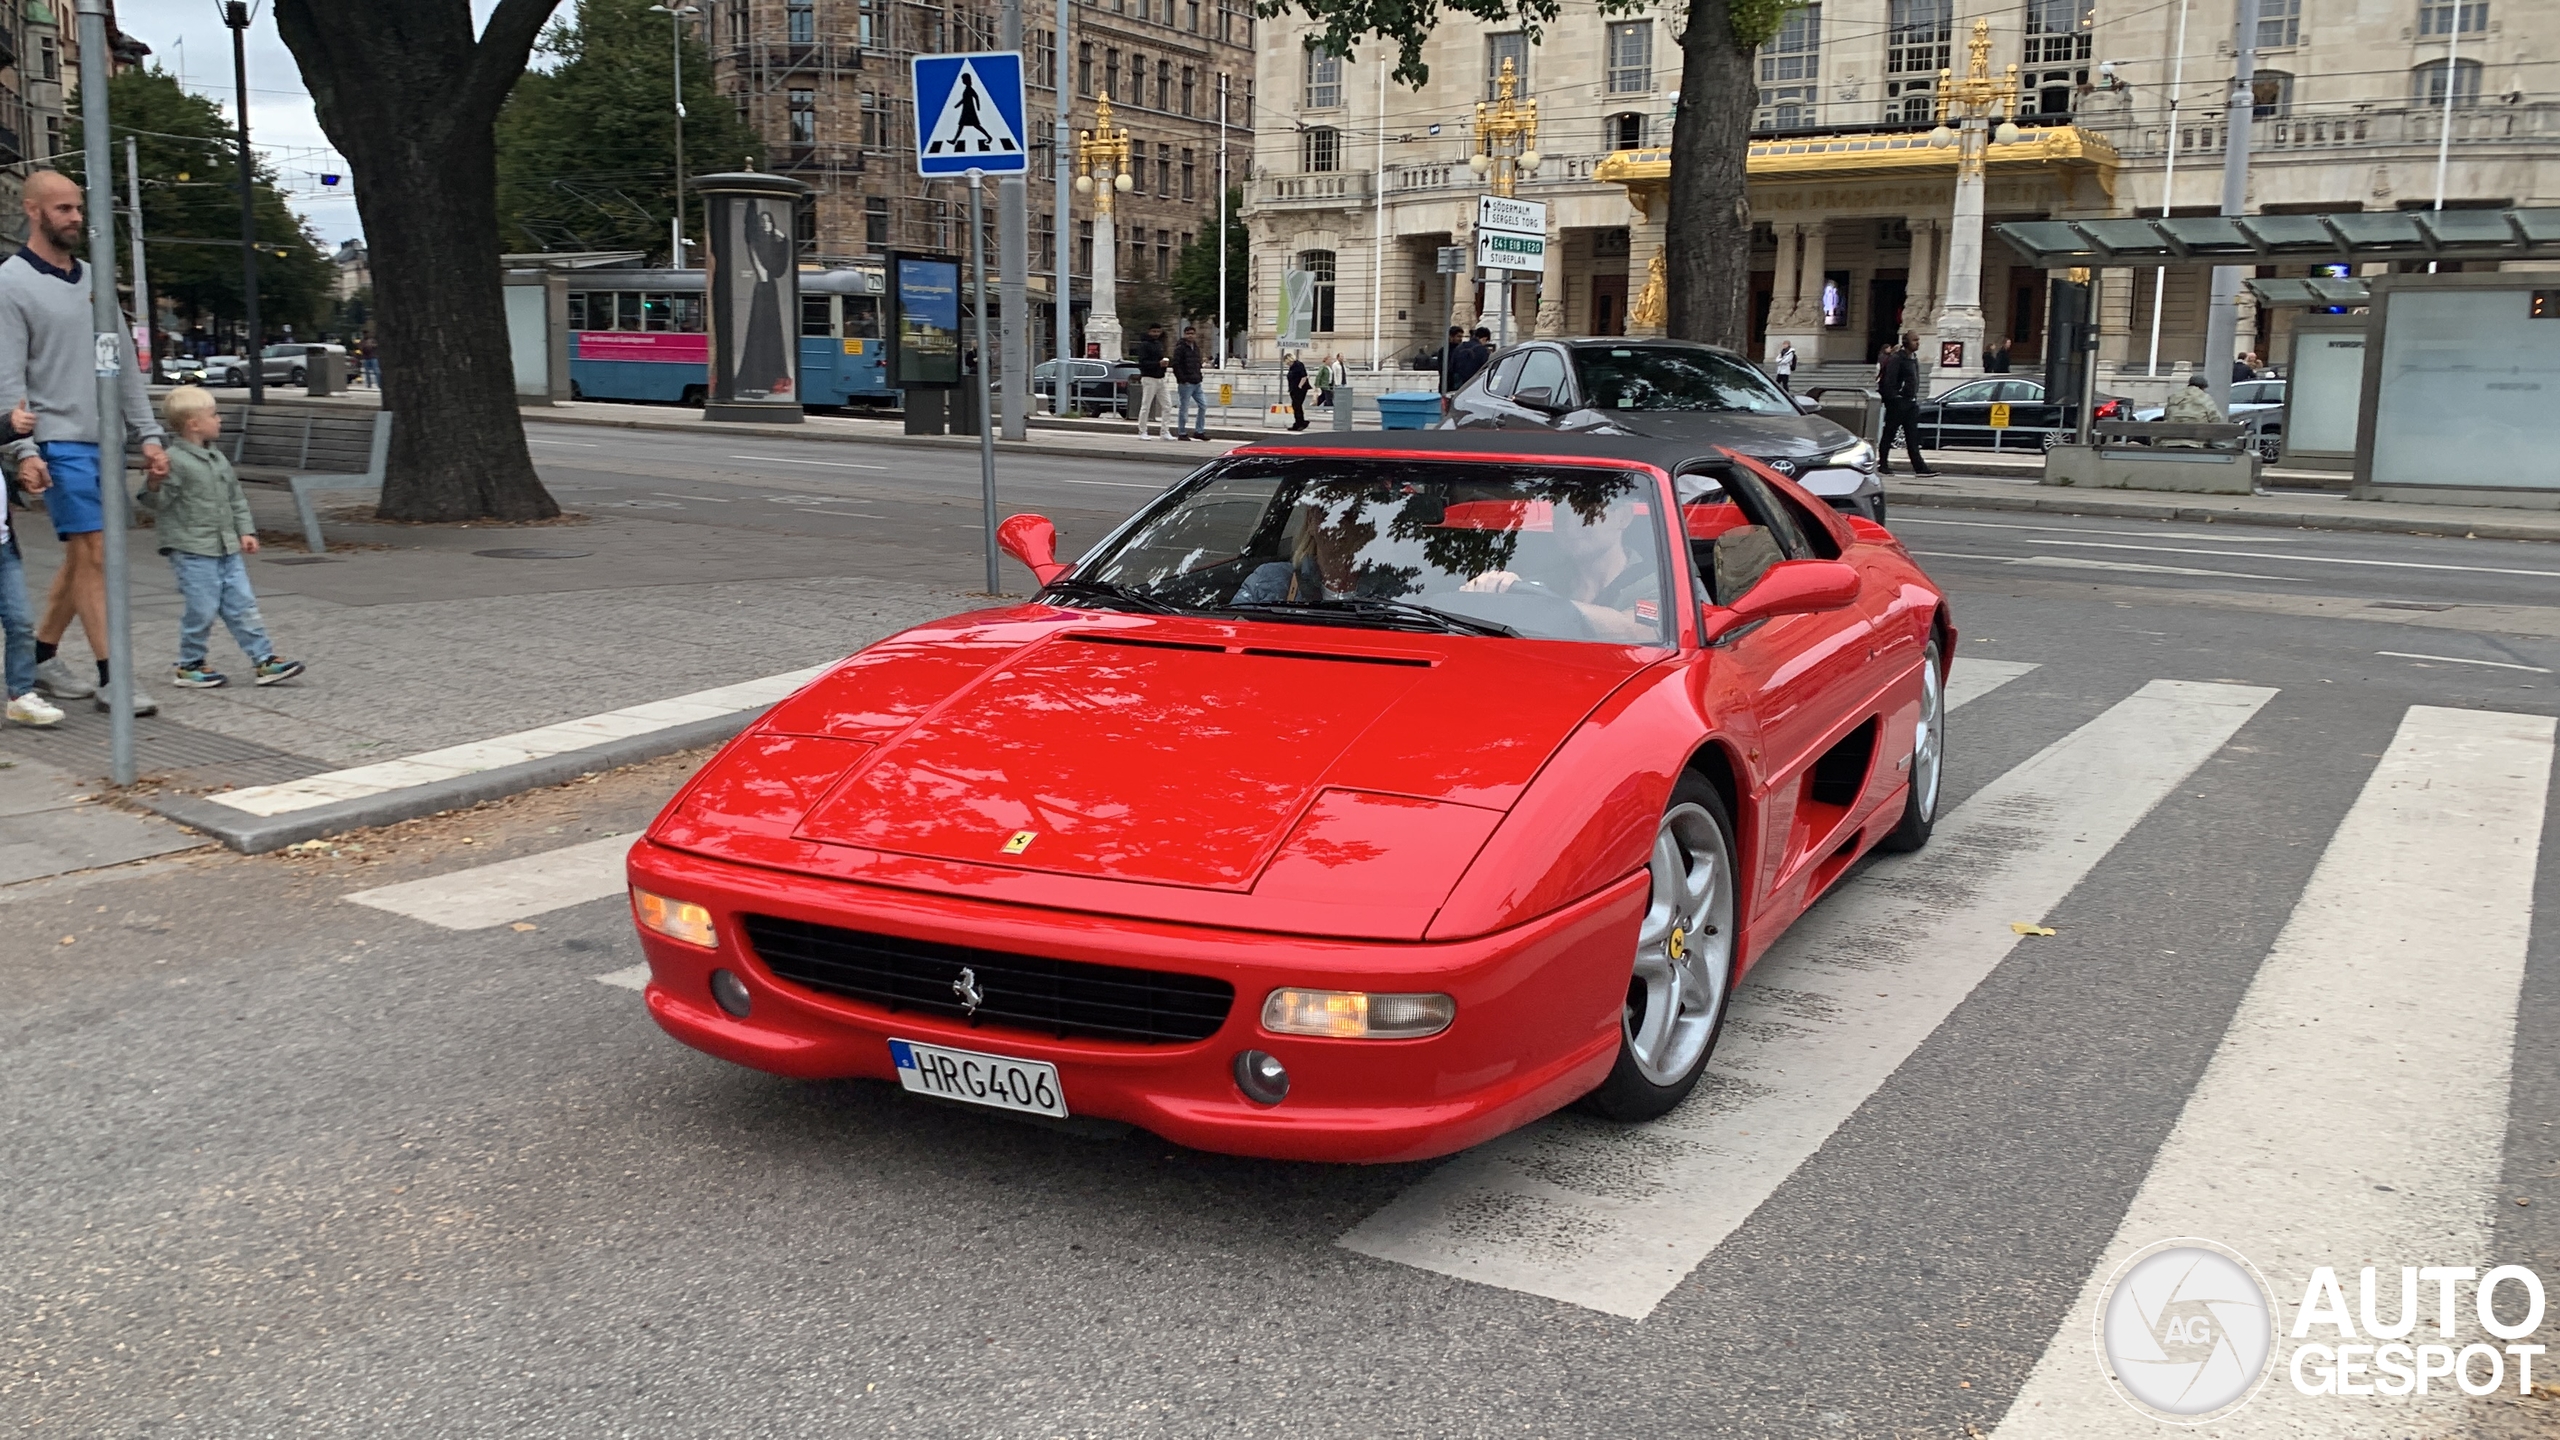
{"x":1084,"y":247}
{"x":1046,"y":261}
{"x":1190,"y":80}
{"x":1164,"y":169}
{"x":1631,"y":58}
{"x":875,"y":124}
{"x":1164,"y":84}
{"x":804,"y":118}
{"x":1191,"y":16}
{"x":802,"y":18}
{"x":1320,"y":149}
{"x":2058,"y":30}
{"x":1111,"y":75}
{"x":2271,"y":95}
{"x":49,"y":58}
{"x":1044,"y":58}
{"x":737,"y":22}
{"x":875,"y":222}
{"x":1324,"y":80}
{"x":866,"y":25}
{"x":2279,"y":24}
{"x":804,"y":228}
{"x":1789,"y":65}
{"x":1916,"y":49}
{"x":2426,"y":83}
{"x":1084,"y":69}
{"x":1319,"y":264}
{"x":2436,"y":17}
{"x":1186,"y":174}
{"x":1164,"y":254}
{"x":1625,"y":132}
{"x":1514,"y":47}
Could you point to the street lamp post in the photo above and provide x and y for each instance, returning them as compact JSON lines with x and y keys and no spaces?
{"x":235,"y":14}
{"x":1102,"y":153}
{"x":1506,"y":149}
{"x":1970,"y":102}
{"x":676,"y":16}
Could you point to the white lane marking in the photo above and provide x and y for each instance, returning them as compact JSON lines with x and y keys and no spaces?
{"x":1612,"y":1217}
{"x":1114,"y":484}
{"x":2373,"y":1049}
{"x":2076,"y":562}
{"x":635,"y":977}
{"x":2459,"y":660}
{"x":2308,"y":559}
{"x":830,"y":464}
{"x":581,"y":444}
{"x":2253,"y":538}
{"x":506,"y":890}
{"x":1973,"y":677}
{"x":705,"y":499}
{"x":523,"y":745}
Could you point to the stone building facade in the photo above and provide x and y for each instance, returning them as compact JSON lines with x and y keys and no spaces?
{"x":1851,"y":199}
{"x":37,"y":60}
{"x":825,"y":82}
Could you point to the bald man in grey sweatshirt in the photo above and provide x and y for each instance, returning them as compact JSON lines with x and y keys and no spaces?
{"x":48,"y":359}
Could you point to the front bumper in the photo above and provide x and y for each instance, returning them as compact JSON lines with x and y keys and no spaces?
{"x":1844,"y":487}
{"x":1537,"y":1021}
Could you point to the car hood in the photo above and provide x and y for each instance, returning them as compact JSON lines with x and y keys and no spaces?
{"x":1794,"y":436}
{"x":1135,"y":749}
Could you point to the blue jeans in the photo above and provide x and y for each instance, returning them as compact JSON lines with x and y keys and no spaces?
{"x":17,"y":619}
{"x":217,"y":585}
{"x":1190,"y":403}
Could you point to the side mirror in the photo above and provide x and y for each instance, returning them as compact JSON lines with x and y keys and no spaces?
{"x":1790,"y":587}
{"x":1032,"y":540}
{"x":1541,"y":398}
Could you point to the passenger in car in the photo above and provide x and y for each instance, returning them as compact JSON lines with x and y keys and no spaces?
{"x":1323,"y":560}
{"x":1610,"y":581}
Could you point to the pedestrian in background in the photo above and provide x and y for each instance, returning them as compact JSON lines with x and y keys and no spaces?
{"x":205,"y":530}
{"x":2244,"y":368}
{"x":372,"y":365}
{"x":1326,"y":373}
{"x":1191,"y":408}
{"x":2191,"y":404}
{"x":1995,"y":361}
{"x":1898,"y":380}
{"x":17,"y":618}
{"x":1783,"y":365}
{"x":1297,"y":383}
{"x":1152,"y":404}
{"x":49,"y":355}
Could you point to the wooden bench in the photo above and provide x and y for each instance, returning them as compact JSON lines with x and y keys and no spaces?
{"x":2152,"y":432}
{"x":307,"y":451}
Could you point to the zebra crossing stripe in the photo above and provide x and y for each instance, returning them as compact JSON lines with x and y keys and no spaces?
{"x":2356,"y":1112}
{"x":507,"y":890}
{"x":1971,"y":678}
{"x":1612,"y":1217}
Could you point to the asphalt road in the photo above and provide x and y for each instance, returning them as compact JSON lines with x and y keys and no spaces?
{"x":279,"y":1164}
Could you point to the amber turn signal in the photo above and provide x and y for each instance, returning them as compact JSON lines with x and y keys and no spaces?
{"x":1356,"y":1014}
{"x":676,"y":919}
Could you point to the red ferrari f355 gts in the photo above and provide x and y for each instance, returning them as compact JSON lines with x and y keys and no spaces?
{"x":1356,"y":800}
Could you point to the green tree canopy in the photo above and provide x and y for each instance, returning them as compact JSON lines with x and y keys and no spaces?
{"x":191,"y":207}
{"x":586,"y":150}
{"x":1195,"y":271}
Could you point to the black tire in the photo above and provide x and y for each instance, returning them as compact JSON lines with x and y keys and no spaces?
{"x":235,"y":377}
{"x":1923,"y":797}
{"x":575,"y":392}
{"x":298,"y":377}
{"x":1629,"y":1094}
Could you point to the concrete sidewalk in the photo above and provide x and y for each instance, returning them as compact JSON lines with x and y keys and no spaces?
{"x":1963,"y":482}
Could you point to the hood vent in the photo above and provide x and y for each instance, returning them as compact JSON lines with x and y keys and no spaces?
{"x":1269,"y":652}
{"x":1337,"y":656}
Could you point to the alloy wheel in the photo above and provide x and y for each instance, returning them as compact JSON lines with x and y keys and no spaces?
{"x":1684,"y":953}
{"x":1929,"y":745}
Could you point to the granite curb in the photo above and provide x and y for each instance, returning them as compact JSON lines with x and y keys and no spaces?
{"x":2457,"y":525}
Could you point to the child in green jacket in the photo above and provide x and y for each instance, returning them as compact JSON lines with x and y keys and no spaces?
{"x":205,"y":530}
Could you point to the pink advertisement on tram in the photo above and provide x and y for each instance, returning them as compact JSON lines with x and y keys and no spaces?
{"x":665,"y":347}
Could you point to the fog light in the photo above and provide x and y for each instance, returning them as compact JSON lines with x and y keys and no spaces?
{"x":676,"y":919}
{"x":1357,"y":1015}
{"x":1261,"y":1076}
{"x":731,"y":992}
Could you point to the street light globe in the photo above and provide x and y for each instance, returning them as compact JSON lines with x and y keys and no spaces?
{"x":1942,"y":137}
{"x":1529,"y":159}
{"x":1478,"y":163}
{"x":2007,"y":134}
{"x":1084,"y":184}
{"x":1121,"y":184}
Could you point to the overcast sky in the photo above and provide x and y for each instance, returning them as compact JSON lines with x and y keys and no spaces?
{"x":188,"y":39}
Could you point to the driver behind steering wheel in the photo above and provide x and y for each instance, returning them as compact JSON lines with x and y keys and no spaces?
{"x":1602,"y":576}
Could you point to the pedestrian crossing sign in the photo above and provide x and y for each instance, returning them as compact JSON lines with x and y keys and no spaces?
{"x":969,"y":114}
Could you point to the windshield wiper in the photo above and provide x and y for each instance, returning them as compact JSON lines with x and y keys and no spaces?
{"x":1076,"y":588}
{"x":1376,"y":607}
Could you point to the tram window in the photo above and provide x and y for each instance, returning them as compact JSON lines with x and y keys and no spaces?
{"x":577,"y":309}
{"x":816,"y":317}
{"x":626,"y":304}
{"x":688,"y":313}
{"x":861,"y":317}
{"x":655,"y":312}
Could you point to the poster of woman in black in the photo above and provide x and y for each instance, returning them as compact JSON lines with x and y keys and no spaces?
{"x":763,"y":284}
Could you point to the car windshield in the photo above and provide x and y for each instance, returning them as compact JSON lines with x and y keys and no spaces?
{"x":1556,"y":551}
{"x":1662,"y":377}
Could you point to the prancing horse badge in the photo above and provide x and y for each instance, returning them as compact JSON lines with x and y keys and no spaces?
{"x":1020,"y":842}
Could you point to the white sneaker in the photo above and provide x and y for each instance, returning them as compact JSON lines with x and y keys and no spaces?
{"x":143,"y":704}
{"x":56,"y":678}
{"x":32,"y":709}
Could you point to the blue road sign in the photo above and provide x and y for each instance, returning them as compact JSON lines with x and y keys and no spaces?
{"x":969,"y":114}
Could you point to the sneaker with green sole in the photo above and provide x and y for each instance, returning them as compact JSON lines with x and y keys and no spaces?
{"x":197,"y":677}
{"x":275,"y":668}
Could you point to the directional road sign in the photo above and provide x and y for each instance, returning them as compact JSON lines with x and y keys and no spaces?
{"x":1511,"y":234}
{"x":969,"y":114}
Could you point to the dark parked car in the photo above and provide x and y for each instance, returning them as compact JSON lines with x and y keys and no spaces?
{"x":1099,"y":385}
{"x":1671,"y":390}
{"x":1962,"y":416}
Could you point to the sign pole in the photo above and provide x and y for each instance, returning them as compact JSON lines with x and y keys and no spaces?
{"x":986,"y":431}
{"x":109,"y":327}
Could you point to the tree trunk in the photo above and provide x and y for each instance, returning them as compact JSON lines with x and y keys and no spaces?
{"x":1708,"y":230}
{"x":411,"y":99}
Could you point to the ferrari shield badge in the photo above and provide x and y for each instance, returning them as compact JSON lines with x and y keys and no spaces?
{"x":1020,"y":842}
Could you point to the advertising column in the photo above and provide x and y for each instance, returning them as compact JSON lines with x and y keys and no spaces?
{"x":752,"y":290}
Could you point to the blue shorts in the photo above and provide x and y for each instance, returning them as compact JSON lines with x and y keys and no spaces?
{"x":73,"y":499}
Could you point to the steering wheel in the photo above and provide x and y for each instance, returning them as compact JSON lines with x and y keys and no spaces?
{"x":1542,"y":611}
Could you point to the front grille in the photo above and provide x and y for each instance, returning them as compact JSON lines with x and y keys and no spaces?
{"x":1062,"y":997}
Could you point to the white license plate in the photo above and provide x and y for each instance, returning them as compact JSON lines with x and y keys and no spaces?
{"x":1030,"y":1086}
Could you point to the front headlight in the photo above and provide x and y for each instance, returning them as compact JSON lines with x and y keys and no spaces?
{"x":1356,"y":1015}
{"x":1858,"y":456}
{"x":676,"y":919}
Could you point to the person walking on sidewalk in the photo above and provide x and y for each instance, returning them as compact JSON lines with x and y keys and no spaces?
{"x":48,"y":354}
{"x":1297,"y":383}
{"x":18,"y":630}
{"x":1191,"y":408}
{"x":1898,"y":378}
{"x":205,"y":530}
{"x":1783,"y":365}
{"x":1151,"y":386}
{"x":372,"y":364}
